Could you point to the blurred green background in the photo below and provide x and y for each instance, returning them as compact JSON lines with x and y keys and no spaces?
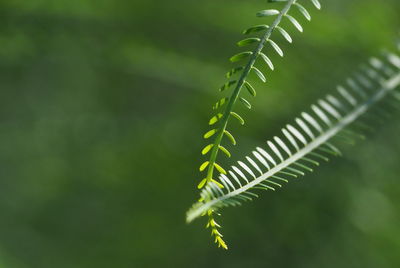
{"x":103,"y":107}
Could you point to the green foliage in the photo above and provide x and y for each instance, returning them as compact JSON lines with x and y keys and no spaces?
{"x":243,"y":72}
{"x":102,"y":101}
{"x":303,"y":144}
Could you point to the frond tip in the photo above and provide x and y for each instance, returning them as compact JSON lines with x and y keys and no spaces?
{"x":308,"y":141}
{"x":214,"y":226}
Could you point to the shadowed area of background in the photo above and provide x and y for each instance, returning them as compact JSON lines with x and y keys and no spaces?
{"x":102,"y":108}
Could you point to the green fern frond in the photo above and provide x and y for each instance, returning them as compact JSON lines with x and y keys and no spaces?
{"x":225,"y":107}
{"x":227,"y":104}
{"x":310,"y":140}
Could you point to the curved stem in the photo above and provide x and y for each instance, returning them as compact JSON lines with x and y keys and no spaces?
{"x":232,"y":100}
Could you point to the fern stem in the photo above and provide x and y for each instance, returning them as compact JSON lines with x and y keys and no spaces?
{"x":387,"y":87}
{"x":239,"y":85}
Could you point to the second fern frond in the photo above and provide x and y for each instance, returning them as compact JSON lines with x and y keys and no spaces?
{"x":309,"y":141}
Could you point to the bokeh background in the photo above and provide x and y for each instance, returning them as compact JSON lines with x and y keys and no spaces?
{"x":103,"y":105}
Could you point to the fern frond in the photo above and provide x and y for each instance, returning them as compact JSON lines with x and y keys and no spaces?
{"x":227,"y":104}
{"x":221,"y":119}
{"x":308,"y":141}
